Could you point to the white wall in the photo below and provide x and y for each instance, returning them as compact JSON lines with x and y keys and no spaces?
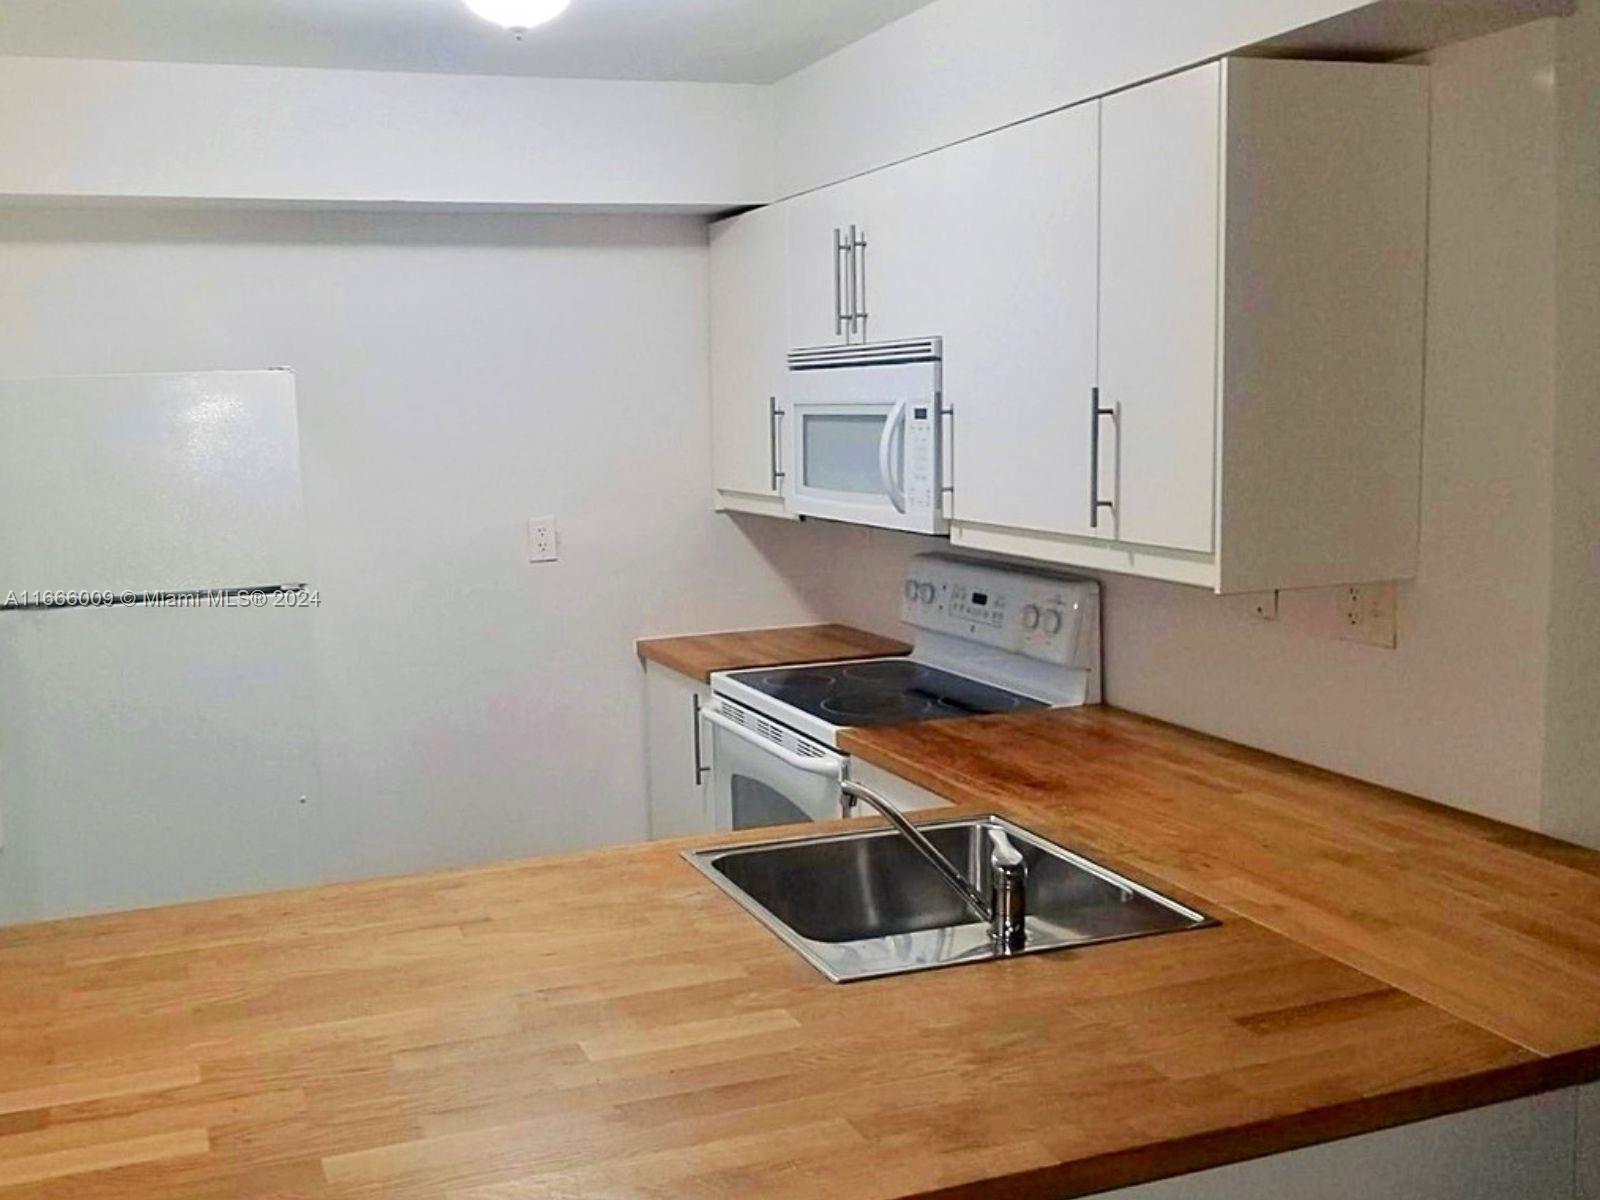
{"x":456,"y":375}
{"x":95,"y":131}
{"x":1456,"y":712}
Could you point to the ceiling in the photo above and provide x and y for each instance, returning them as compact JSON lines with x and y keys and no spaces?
{"x":728,"y":41}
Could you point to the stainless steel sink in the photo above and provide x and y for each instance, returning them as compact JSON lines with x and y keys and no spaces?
{"x":856,"y":905}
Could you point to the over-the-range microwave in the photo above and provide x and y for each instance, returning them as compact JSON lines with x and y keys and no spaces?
{"x":868,"y":442}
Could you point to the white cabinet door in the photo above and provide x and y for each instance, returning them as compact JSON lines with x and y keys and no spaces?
{"x":901,"y":268}
{"x":1160,"y":174}
{"x":890,"y":285}
{"x":748,"y":342}
{"x":1019,"y":352}
{"x":677,"y":752}
{"x":818,"y":279}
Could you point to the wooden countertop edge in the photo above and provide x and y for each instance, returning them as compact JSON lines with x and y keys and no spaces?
{"x":1242,"y":1143}
{"x":697,"y":655}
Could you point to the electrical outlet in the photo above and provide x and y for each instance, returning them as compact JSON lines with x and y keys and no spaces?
{"x":1367,"y":614}
{"x":542,"y":544}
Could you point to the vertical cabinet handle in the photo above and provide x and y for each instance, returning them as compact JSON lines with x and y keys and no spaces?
{"x":947,"y":464}
{"x":850,"y":283}
{"x":858,"y":289}
{"x":1096,"y":412}
{"x":700,"y":767}
{"x":840,"y":259}
{"x":774,"y":441}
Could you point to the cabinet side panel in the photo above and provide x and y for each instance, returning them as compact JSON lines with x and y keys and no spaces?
{"x":1325,"y":252}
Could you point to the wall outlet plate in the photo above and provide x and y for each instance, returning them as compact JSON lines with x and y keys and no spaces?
{"x":543,"y":545}
{"x":1367,"y":614}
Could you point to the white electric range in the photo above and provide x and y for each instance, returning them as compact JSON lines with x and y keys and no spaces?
{"x":990,"y":639}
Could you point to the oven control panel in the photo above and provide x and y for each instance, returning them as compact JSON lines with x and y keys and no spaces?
{"x":1040,"y":614}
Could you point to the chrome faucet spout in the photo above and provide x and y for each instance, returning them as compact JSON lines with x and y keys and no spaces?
{"x":1006,"y":908}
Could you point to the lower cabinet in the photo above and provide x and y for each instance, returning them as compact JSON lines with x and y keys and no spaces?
{"x":1523,"y":1149}
{"x":677,"y":753}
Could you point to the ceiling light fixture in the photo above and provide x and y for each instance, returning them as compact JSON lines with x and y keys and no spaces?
{"x":518,"y":16}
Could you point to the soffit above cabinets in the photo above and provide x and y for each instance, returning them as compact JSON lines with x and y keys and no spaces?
{"x":714,"y":41}
{"x":1392,"y":29}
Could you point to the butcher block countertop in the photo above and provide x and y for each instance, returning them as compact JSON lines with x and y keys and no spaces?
{"x":698,"y":655}
{"x":610,"y":1025}
{"x":1493,"y":924}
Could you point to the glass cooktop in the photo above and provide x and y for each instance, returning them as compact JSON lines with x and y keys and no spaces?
{"x":882,"y":691}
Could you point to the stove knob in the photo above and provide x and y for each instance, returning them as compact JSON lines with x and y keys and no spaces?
{"x":1030,"y":617}
{"x":1052,"y":622}
{"x":927,"y":593}
{"x":911,"y":589}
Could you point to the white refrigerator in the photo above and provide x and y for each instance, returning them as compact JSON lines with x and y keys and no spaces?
{"x":156,"y":724}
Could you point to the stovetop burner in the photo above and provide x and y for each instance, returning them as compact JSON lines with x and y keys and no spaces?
{"x":882,"y":691}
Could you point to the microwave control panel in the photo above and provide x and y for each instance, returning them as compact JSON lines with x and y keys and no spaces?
{"x":921,"y":457}
{"x":1039,"y":614}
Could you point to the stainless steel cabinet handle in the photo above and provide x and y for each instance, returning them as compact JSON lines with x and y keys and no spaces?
{"x":774,"y":416}
{"x":700,"y":767}
{"x":850,"y":283}
{"x":1095,"y":413}
{"x":858,"y":263}
{"x":947,"y":465}
{"x":840,"y":257}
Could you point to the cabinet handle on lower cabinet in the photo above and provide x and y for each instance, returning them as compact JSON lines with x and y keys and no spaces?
{"x":774,"y":441}
{"x":700,"y":767}
{"x":1096,"y":412}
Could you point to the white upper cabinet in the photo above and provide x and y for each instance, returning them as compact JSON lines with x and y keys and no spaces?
{"x":1019,"y":331}
{"x":821,"y":265}
{"x":748,"y":343}
{"x":1261,"y":268}
{"x":1161,"y":188}
{"x":1182,"y":324}
{"x":902,"y":260}
{"x":866,"y":257}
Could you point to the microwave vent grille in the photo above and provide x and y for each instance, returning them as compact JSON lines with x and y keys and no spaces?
{"x":871,"y":354}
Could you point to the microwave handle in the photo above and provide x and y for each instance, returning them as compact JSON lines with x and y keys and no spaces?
{"x":831,"y":767}
{"x":891,"y":485}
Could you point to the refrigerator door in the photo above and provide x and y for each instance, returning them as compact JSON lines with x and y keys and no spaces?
{"x":150,"y":755}
{"x":149,"y":483}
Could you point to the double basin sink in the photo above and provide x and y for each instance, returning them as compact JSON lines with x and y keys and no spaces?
{"x":862,"y":904}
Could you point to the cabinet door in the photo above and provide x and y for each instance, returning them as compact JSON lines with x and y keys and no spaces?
{"x":1019,"y":353}
{"x":748,"y":344}
{"x":902,"y":269}
{"x":1160,"y":164}
{"x":817,"y":278}
{"x":676,"y":750}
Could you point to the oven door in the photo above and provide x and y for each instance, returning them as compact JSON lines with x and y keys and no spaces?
{"x":766,"y":774}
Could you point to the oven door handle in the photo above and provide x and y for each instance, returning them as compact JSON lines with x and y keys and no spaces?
{"x":891,"y":485}
{"x":811,"y":766}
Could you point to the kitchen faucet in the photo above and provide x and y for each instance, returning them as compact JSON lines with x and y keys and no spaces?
{"x":1006,"y":909}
